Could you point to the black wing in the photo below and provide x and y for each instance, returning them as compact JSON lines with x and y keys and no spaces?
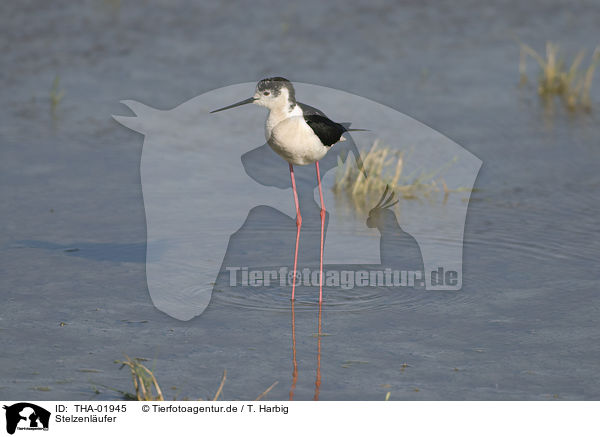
{"x":309,"y":110}
{"x":329,"y":132}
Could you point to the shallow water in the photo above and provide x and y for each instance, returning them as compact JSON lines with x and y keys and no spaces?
{"x":524,"y":325}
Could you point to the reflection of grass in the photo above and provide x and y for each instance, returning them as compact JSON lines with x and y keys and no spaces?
{"x":147,"y":388}
{"x":385,"y":166}
{"x":573,"y":84}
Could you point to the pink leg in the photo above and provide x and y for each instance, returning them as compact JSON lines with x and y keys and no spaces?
{"x":298,"y":226}
{"x":322,"y":231}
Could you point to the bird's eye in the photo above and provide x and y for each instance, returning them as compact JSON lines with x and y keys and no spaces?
{"x":266,"y":93}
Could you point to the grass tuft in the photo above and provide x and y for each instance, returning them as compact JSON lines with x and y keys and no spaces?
{"x":384,"y":167}
{"x":145,"y":383}
{"x":571,"y":83}
{"x":147,"y":388}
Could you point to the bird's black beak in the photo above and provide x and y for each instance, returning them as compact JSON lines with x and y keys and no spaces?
{"x":243,"y":102}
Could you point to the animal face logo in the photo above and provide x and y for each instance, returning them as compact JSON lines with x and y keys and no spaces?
{"x":209,"y":179}
{"x":26,"y":416}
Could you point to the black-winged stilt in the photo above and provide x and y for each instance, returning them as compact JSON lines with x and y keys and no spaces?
{"x":301,"y":135}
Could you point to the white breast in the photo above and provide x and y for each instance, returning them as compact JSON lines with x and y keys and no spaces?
{"x":292,"y":139}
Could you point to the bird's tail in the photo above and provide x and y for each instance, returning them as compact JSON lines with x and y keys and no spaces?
{"x":347,"y":128}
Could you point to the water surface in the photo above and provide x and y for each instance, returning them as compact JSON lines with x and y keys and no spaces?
{"x":524,"y":326}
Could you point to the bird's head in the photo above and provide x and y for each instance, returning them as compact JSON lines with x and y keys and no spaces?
{"x":272,"y":93}
{"x":275,"y":92}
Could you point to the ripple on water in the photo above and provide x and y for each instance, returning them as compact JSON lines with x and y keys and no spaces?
{"x":507,"y":238}
{"x":537,"y":228}
{"x":356,"y":299}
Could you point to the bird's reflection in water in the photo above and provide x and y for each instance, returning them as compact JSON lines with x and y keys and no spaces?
{"x":294,"y":357}
{"x":398,"y":249}
{"x":318,"y":378}
{"x":294,"y":360}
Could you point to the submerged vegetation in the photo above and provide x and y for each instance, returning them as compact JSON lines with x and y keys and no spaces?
{"x":56,"y":94}
{"x":385,"y":167}
{"x":557,"y":79}
{"x":147,"y":388}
